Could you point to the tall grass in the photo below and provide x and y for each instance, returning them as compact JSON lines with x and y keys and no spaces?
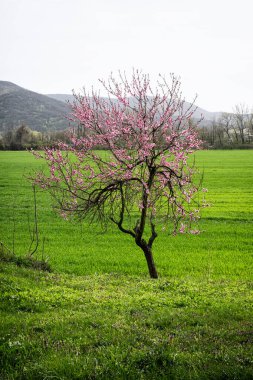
{"x":99,"y":316}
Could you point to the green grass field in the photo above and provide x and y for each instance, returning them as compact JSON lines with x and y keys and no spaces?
{"x":99,"y":316}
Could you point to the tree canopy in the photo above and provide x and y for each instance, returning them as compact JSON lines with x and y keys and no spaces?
{"x":127,"y":162}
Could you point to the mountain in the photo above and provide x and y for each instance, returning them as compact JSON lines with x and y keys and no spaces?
{"x":208,"y":117}
{"x":48,"y":112}
{"x":39,"y":112}
{"x":62,"y":97}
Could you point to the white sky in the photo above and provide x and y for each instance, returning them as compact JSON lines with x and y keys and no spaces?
{"x":54,"y":46}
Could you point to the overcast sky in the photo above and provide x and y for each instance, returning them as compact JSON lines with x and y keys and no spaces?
{"x":54,"y":46}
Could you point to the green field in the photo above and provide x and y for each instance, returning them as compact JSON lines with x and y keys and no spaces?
{"x":99,"y":316}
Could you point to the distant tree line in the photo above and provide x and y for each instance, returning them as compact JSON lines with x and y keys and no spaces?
{"x":230,"y":130}
{"x":23,"y":138}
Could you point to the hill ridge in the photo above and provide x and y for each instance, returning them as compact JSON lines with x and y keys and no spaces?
{"x":48,"y":112}
{"x":22,"y":106}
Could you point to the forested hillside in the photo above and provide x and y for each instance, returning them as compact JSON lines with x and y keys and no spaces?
{"x":19,"y":106}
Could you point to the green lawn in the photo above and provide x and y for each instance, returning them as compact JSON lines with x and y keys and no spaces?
{"x":99,"y":316}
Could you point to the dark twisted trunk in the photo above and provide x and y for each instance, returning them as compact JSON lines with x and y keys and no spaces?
{"x":147,"y":250}
{"x":150,"y":261}
{"x":138,"y":231}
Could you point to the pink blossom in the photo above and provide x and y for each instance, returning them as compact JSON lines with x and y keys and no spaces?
{"x":194,"y":232}
{"x":182,"y":228}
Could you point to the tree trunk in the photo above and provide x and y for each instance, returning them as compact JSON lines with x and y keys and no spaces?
{"x":150,"y":261}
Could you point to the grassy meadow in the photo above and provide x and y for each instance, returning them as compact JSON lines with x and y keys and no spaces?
{"x":99,"y":316}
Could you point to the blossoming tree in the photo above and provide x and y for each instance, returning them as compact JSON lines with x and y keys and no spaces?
{"x":128,"y":160}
